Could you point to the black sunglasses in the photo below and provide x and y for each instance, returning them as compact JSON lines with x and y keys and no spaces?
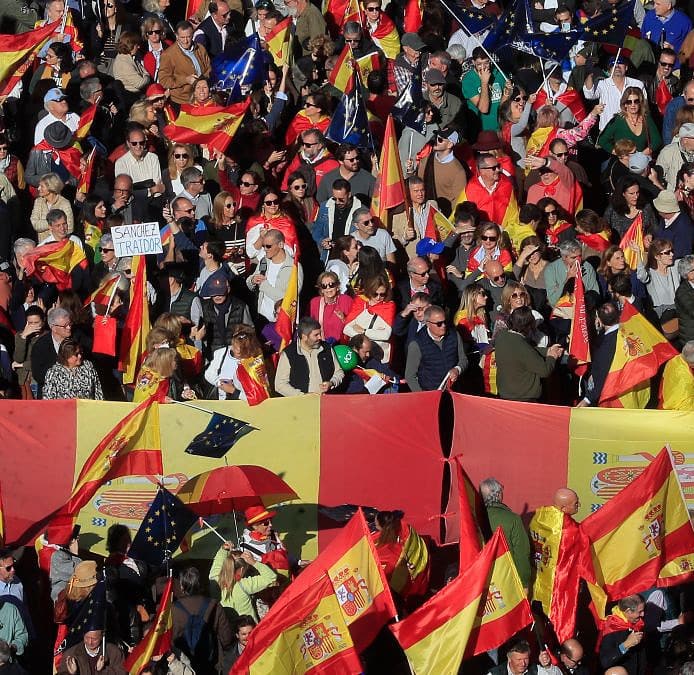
{"x":154,"y":32}
{"x":245,"y":183}
{"x":181,"y":155}
{"x":438,"y":324}
{"x":142,"y":143}
{"x":105,"y":250}
{"x":330,"y":284}
{"x":271,"y":202}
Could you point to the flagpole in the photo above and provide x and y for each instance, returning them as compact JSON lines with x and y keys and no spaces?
{"x":474,"y":35}
{"x":544,"y":82}
{"x":62,"y":25}
{"x":204,"y":522}
{"x":111,"y":299}
{"x":195,"y":407}
{"x":616,"y":60}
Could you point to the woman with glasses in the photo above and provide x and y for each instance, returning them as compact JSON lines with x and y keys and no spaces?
{"x":225,"y":225}
{"x":633,"y":122}
{"x":490,"y":246}
{"x":344,"y":261}
{"x":373,"y":314}
{"x":330,"y":307}
{"x":555,"y":225}
{"x":58,"y":66}
{"x":627,"y":204}
{"x":471,"y":319}
{"x":181,"y":156}
{"x":314,"y":115}
{"x":529,"y":269}
{"x":514,"y":117}
{"x":72,"y":376}
{"x":513,"y":296}
{"x":270,"y":217}
{"x":154,"y":44}
{"x":105,"y":34}
{"x":302,"y":207}
{"x":661,"y":279}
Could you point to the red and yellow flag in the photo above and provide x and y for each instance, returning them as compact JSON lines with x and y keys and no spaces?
{"x":481,"y":608}
{"x":278,"y":40}
{"x":640,"y":352}
{"x":136,"y":327}
{"x":52,"y":263}
{"x":341,"y":75}
{"x":663,"y":96}
{"x":107,"y":288}
{"x":306,"y":635}
{"x":86,"y":178}
{"x":286,"y":315}
{"x":150,"y":385}
{"x":386,"y":36}
{"x":192,"y":6}
{"x":338,"y":12}
{"x":413,"y":16}
{"x":438,"y":227}
{"x":85,"y":124}
{"x":157,"y":640}
{"x":253,"y":377}
{"x":389,"y":190}
{"x":17,"y":53}
{"x":677,"y":386}
{"x":579,"y":344}
{"x":131,"y":447}
{"x":471,"y":540}
{"x":213,"y":126}
{"x":501,"y":206}
{"x":643,"y":536}
{"x":633,"y":235}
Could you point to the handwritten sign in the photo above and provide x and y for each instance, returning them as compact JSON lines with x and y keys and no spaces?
{"x":137,"y":239}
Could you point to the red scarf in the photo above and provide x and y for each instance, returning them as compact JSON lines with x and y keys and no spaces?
{"x":553,"y":233}
{"x":598,"y":242}
{"x":386,"y":310}
{"x":68,"y":157}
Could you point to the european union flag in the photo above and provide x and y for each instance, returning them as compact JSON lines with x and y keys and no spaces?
{"x":90,"y":614}
{"x":409,"y":108}
{"x":350,"y":123}
{"x":219,"y":436}
{"x":166,"y":523}
{"x":513,"y":25}
{"x":471,"y":19}
{"x":611,"y":26}
{"x":554,"y":46}
{"x":242,"y":68}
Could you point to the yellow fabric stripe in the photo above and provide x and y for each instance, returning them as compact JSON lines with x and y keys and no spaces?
{"x":505,"y":590}
{"x":545,"y":536}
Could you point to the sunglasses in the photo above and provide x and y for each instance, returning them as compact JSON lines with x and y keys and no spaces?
{"x":517,"y":295}
{"x":154,"y":32}
{"x":519,"y":99}
{"x":229,"y":206}
{"x":373,"y":9}
{"x":438,"y":324}
{"x":4,"y":147}
{"x":366,"y":222}
{"x":299,"y":187}
{"x":665,"y":64}
{"x":310,"y":104}
{"x":7,"y":568}
{"x":496,"y":167}
{"x":689,"y":100}
{"x":181,"y":155}
{"x":268,"y":246}
{"x":309,"y":145}
{"x":561,"y":154}
{"x":551,"y":213}
{"x":271,"y":202}
{"x":105,"y":250}
{"x":247,"y":184}
{"x":633,"y":101}
{"x":378,"y":294}
{"x":353,"y":40}
{"x":486,"y":237}
{"x":499,"y":277}
{"x":136,"y":143}
{"x":670,"y":252}
{"x":330,"y":284}
{"x":426,"y":273}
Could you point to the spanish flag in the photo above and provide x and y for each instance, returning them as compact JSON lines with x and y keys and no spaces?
{"x":437,"y":227}
{"x":338,"y":12}
{"x":131,"y":447}
{"x":579,"y":340}
{"x":157,"y":640}
{"x":481,"y":608}
{"x":367,"y":64}
{"x":389,"y":191}
{"x":191,"y":359}
{"x":643,"y":536}
{"x":85,"y":182}
{"x":677,"y":386}
{"x":499,"y":207}
{"x":52,"y":263}
{"x":18,"y":52}
{"x":539,"y":142}
{"x":559,"y":550}
{"x":136,"y":327}
{"x":278,"y":40}
{"x":150,"y":385}
{"x":413,"y":16}
{"x":305,"y":634}
{"x":341,"y":74}
{"x":488,"y":366}
{"x":470,"y":536}
{"x":634,"y":234}
{"x":640,"y":352}
{"x":286,"y":315}
{"x":213,"y":126}
{"x":570,"y":99}
{"x":106,"y":290}
{"x":253,"y":377}
{"x":386,"y":36}
{"x":85,"y":124}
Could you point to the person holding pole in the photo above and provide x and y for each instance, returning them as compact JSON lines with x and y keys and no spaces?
{"x":485,"y":89}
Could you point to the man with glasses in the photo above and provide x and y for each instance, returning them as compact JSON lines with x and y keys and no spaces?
{"x":663,"y":85}
{"x":219,"y":30}
{"x":360,"y":44}
{"x":450,"y":107}
{"x":410,"y":320}
{"x":182,"y":64}
{"x":123,"y":202}
{"x":436,"y":357}
{"x":420,"y":279}
{"x":367,"y":233}
{"x":314,"y":161}
{"x":448,"y":175}
{"x":350,"y":169}
{"x":675,"y":154}
{"x":334,"y":217}
{"x":571,"y":657}
{"x":180,"y":216}
{"x":193,"y":190}
{"x":141,"y":165}
{"x":556,"y":181}
{"x":9,"y":581}
{"x":670,"y":115}
{"x":492,"y":191}
{"x":56,"y":105}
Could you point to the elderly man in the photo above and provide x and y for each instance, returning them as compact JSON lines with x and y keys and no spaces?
{"x":492,"y":493}
{"x":420,"y":279}
{"x":436,"y":356}
{"x":517,"y":661}
{"x":571,"y":657}
{"x":666,"y":26}
{"x":407,"y":63}
{"x":141,"y":165}
{"x":675,"y":154}
{"x":447,"y":173}
{"x":309,"y":22}
{"x":218,"y":32}
{"x":361,"y":181}
{"x":308,"y":365}
{"x":45,"y":351}
{"x":193,"y":189}
{"x":677,"y":388}
{"x":450,"y":107}
{"x":410,"y":320}
{"x":334,"y":216}
{"x":55,"y":103}
{"x":622,"y":635}
{"x":314,"y":161}
{"x":87,"y":657}
{"x":557,"y":273}
{"x":182,"y":64}
{"x":673,"y":224}
{"x":367,"y":233}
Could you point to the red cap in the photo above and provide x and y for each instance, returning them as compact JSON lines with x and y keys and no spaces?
{"x":255,"y":514}
{"x":155,"y":91}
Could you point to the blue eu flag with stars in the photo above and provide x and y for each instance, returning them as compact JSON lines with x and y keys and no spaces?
{"x":166,"y":523}
{"x":90,"y":614}
{"x":219,"y":436}
{"x":350,"y":123}
{"x":244,"y":67}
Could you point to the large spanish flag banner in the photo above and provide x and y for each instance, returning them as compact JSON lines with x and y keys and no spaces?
{"x":480,"y":609}
{"x":643,"y":536}
{"x":640,"y":352}
{"x":53,"y":263}
{"x":136,"y":327}
{"x":308,"y":634}
{"x":17,"y":53}
{"x":214,"y":126}
{"x":389,"y":190}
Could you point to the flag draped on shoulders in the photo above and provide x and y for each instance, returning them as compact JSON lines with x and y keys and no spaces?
{"x":53,"y":263}
{"x":643,"y":536}
{"x":639,"y":353}
{"x":278,"y":41}
{"x":480,"y":609}
{"x":136,"y":327}
{"x":499,"y":207}
{"x":385,"y":35}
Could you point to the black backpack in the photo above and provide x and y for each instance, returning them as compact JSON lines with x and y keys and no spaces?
{"x":198,"y":642}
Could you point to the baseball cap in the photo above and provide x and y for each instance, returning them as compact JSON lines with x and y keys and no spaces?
{"x":155,"y":91}
{"x":686,"y":130}
{"x":413,"y":41}
{"x":638,"y":162}
{"x":449,"y":133}
{"x":55,"y":94}
{"x":435,"y":76}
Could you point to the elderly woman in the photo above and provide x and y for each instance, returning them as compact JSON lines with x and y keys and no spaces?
{"x":559,"y":271}
{"x":661,"y":278}
{"x":514,"y":296}
{"x":127,"y":67}
{"x":234,"y":367}
{"x":634,"y":123}
{"x":684,"y":298}
{"x":72,"y":376}
{"x":627,"y":203}
{"x":50,"y":188}
{"x":331,"y":307}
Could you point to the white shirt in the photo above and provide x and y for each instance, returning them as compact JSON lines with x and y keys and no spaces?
{"x":610,"y":96}
{"x":267,"y":305}
{"x":226,"y":369}
{"x":380,"y":240}
{"x":71,"y":121}
{"x":51,"y":239}
{"x":147,"y":168}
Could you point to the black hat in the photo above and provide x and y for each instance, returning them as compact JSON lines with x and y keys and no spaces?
{"x":58,"y":135}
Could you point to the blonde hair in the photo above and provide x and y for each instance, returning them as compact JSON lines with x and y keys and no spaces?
{"x":624,"y":147}
{"x":547,"y":116}
{"x":138,"y":113}
{"x":218,"y":206}
{"x":507,"y":292}
{"x":156,"y":336}
{"x":52,"y":182}
{"x":172,"y":323}
{"x":231,"y":568}
{"x":173,"y":170}
{"x":467,"y":302}
{"x":162,"y":361}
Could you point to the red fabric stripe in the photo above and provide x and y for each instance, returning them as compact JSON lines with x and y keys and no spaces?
{"x":494,"y":633}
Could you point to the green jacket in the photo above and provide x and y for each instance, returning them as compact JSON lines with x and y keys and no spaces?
{"x":516,"y":536}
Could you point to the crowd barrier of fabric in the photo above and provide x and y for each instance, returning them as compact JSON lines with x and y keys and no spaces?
{"x":378,"y":451}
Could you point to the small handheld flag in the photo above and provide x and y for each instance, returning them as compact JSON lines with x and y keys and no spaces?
{"x":220,"y":435}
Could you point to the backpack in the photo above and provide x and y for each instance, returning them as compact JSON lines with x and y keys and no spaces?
{"x":198,"y":642}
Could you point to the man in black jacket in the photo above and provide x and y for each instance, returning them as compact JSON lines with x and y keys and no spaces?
{"x":517,"y":661}
{"x":420,"y":279}
{"x":221,"y":29}
{"x":622,"y":636}
{"x":45,"y":351}
{"x":604,"y":354}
